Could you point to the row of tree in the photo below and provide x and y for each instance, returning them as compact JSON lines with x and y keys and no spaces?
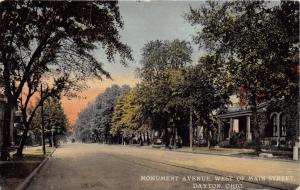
{"x":173,"y":94}
{"x":171,"y":91}
{"x":94,"y":122}
{"x":253,"y":45}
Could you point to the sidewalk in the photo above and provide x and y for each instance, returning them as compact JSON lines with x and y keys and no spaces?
{"x":233,"y":152}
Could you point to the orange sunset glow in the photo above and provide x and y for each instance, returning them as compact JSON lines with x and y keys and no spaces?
{"x":73,"y":106}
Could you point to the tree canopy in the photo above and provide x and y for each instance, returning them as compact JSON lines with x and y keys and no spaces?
{"x":54,"y":43}
{"x":54,"y":118}
{"x":128,"y":117}
{"x":95,"y":121}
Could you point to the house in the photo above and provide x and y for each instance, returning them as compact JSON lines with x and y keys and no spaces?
{"x":2,"y":109}
{"x":277,"y":121}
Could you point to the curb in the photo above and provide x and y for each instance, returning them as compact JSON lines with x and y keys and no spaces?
{"x":28,"y":179}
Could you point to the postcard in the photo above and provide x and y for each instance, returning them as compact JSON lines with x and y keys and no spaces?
{"x":147,"y":94}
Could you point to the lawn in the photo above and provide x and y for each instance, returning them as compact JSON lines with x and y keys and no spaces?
{"x":37,"y":150}
{"x":13,"y":172}
{"x":215,"y":150}
{"x":286,"y":155}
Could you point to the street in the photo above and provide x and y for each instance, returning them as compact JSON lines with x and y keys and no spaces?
{"x":112,"y":167}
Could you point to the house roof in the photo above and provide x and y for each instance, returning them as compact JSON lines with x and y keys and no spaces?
{"x":234,"y":112}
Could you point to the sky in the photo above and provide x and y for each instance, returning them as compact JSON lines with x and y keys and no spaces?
{"x":143,"y":21}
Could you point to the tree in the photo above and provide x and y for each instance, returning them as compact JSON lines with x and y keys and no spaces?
{"x":85,"y":123}
{"x":118,"y":118}
{"x":158,"y":56}
{"x":105,"y":104}
{"x":254,"y":45}
{"x":158,"y":71}
{"x":203,"y":95}
{"x":53,"y":43}
{"x":127,"y":114}
{"x":54,"y":117}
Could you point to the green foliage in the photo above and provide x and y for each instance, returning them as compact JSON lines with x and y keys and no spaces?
{"x":54,"y":116}
{"x":160,"y":72}
{"x":54,"y":41}
{"x":254,"y":44}
{"x":94,"y":123}
{"x":170,"y":87}
{"x":203,"y":94}
{"x":158,"y":56}
{"x":127,"y":113}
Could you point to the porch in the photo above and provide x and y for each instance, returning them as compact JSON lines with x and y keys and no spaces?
{"x":234,"y":121}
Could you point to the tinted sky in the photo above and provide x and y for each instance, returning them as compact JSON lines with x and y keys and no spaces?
{"x":143,"y":22}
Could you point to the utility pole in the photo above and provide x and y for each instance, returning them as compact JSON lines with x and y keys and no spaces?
{"x":191,"y":128}
{"x":52,"y":137}
{"x":43,"y":127}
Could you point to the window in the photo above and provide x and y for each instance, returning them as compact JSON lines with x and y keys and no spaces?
{"x":274,"y":124}
{"x":284,"y":124}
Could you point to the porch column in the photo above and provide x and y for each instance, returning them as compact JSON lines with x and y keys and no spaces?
{"x":248,"y":130}
{"x":278,"y":129}
{"x":219,"y":129}
{"x":230,"y":128}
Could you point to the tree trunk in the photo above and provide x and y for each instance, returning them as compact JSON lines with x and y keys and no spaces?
{"x":175,"y":137}
{"x":97,"y":138}
{"x":191,"y":129}
{"x":19,"y":153}
{"x":5,"y":132}
{"x":208,"y":139}
{"x":167,"y":140}
{"x":148,"y":140}
{"x":144,"y":137}
{"x":141,"y":139}
{"x":105,"y":139}
{"x":208,"y":133}
{"x":256,"y":130}
{"x":50,"y":140}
